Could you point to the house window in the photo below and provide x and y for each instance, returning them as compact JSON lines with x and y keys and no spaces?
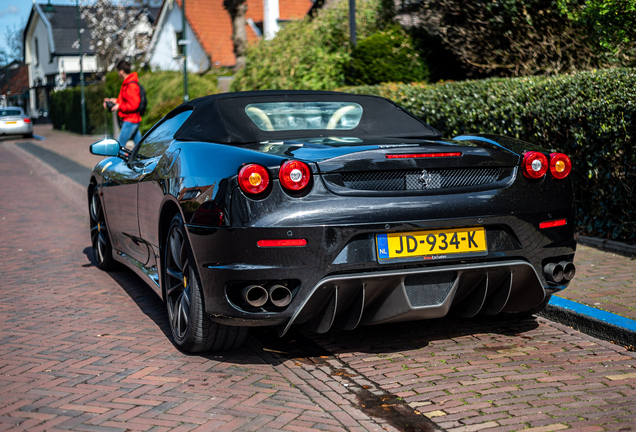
{"x":141,"y":42}
{"x":37,"y":53}
{"x":178,"y":52}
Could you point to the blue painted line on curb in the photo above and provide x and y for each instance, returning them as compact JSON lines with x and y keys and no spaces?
{"x":592,"y":312}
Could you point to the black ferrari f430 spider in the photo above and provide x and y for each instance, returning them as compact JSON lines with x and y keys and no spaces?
{"x":322,"y":209}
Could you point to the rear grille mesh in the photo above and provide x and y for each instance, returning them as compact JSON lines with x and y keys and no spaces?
{"x":429,"y":289}
{"x":419,"y":179}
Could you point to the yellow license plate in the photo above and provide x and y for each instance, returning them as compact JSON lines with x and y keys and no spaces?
{"x":434,"y":244}
{"x":10,"y":122}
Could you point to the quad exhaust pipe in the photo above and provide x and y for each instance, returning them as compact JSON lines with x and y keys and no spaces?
{"x":563,"y":271}
{"x":279,"y":295}
{"x":257,"y":295}
{"x":254,"y":295}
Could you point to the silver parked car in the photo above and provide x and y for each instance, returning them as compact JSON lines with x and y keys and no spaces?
{"x":13,"y":121}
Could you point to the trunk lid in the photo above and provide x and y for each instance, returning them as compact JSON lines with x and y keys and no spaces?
{"x":377,"y":167}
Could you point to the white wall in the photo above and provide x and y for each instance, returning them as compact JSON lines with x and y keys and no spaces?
{"x":41,"y":66}
{"x":163,"y":53}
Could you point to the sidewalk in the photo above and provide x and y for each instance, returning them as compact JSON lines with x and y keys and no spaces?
{"x":605,"y":281}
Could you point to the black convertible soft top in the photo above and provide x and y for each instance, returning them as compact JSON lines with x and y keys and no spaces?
{"x":222,"y":118}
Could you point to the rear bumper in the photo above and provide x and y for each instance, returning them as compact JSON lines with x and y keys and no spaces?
{"x":337,"y":280}
{"x":18,"y":129}
{"x":345,"y":301}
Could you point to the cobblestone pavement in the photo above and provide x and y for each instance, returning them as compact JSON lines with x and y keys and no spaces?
{"x":82,"y":349}
{"x":604,"y":280}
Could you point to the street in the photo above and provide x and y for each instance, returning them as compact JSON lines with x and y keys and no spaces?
{"x":82,"y":349}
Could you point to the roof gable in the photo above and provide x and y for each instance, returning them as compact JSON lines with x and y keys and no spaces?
{"x":61,"y":25}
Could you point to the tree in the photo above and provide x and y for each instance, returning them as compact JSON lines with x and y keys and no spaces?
{"x":612,"y":22}
{"x":106,"y":22}
{"x":15,"y":43}
{"x":510,"y":37}
{"x":237,"y":10}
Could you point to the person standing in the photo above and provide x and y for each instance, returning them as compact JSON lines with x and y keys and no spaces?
{"x":127,"y":104}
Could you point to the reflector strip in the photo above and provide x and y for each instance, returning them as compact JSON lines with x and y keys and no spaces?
{"x":282,"y":243}
{"x":554,"y":223}
{"x":422,"y":155}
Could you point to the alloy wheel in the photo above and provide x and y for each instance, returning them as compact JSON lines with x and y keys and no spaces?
{"x":99,"y":239}
{"x":178,"y":279}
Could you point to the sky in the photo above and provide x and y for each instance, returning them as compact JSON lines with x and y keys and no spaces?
{"x":14,"y":13}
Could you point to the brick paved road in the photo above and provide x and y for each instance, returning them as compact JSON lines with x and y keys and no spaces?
{"x":81,"y":349}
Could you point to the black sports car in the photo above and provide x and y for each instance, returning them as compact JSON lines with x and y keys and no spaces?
{"x":324,"y":209}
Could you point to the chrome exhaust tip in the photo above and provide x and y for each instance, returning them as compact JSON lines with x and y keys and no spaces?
{"x":279,"y":295}
{"x":254,"y":295}
{"x":553,"y":272}
{"x":568,"y":270}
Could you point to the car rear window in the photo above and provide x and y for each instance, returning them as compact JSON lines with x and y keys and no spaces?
{"x":7,"y":113}
{"x":283,"y":116}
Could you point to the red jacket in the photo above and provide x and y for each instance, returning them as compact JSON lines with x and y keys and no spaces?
{"x":129,"y":99}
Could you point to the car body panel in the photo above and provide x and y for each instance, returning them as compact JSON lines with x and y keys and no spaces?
{"x":336,"y":278}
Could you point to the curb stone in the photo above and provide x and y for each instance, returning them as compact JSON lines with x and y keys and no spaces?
{"x":606,"y":244}
{"x":591,"y":326}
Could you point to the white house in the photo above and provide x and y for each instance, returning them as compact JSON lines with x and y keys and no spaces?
{"x":209,"y":31}
{"x":51,"y":53}
{"x":164,"y":51}
{"x":137,"y":34}
{"x":51,"y":49}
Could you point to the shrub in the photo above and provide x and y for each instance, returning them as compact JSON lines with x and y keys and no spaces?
{"x":590,"y":116}
{"x":310,"y":54}
{"x":386,"y":56}
{"x":164,"y":91}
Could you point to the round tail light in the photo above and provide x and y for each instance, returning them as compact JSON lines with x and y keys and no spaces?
{"x":294,"y":175}
{"x":253,"y":179}
{"x":560,"y":165}
{"x":535,"y":165}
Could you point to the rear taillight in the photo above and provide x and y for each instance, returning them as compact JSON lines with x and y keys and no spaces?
{"x":535,"y":165}
{"x":253,"y":179}
{"x":27,"y":120}
{"x":560,"y":165}
{"x":294,"y":175}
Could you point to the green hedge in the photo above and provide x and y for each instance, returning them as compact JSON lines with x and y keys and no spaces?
{"x":386,"y":56}
{"x":164,"y":91}
{"x":590,"y":116}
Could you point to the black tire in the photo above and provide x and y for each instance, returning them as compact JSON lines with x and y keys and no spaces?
{"x":100,"y":241}
{"x":27,"y":135}
{"x":192,"y":329}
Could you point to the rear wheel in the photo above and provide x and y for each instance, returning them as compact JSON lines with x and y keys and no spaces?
{"x":192,"y":330}
{"x":102,"y":249}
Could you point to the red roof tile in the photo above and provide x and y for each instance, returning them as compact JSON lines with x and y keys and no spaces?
{"x":18,"y":79}
{"x":213,"y":26}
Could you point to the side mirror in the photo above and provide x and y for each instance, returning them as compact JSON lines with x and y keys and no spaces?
{"x":105,"y":147}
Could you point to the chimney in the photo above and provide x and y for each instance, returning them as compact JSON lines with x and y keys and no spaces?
{"x":270,"y":19}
